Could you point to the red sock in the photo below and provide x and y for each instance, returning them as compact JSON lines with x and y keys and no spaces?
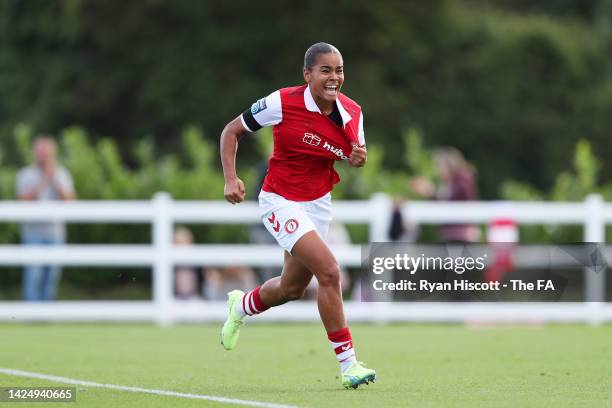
{"x":342,"y":343}
{"x":251,"y":303}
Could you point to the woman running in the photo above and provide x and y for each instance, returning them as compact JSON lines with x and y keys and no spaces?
{"x":314,"y":125}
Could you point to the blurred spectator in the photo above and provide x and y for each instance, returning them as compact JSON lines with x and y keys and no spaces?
{"x":43,"y":181}
{"x":457,"y":183}
{"x":219,"y":281}
{"x":187,"y":281}
{"x":400,"y":229}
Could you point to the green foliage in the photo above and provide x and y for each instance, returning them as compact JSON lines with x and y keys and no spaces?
{"x":570,"y":185}
{"x":100,"y":173}
{"x":418,"y":158}
{"x":520,"y":191}
{"x":376,"y":176}
{"x":264,"y":142}
{"x":514,"y":85}
{"x":515,"y":76}
{"x":573,"y":184}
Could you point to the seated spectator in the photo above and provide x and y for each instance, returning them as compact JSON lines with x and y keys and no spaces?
{"x":187,"y":280}
{"x":220,"y":281}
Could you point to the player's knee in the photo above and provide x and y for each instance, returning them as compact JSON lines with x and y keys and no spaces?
{"x":329,"y":275}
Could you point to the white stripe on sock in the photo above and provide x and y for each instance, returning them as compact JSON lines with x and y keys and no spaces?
{"x":247,"y":303}
{"x":252,"y":305}
{"x":336,"y":345}
{"x":345,"y":354}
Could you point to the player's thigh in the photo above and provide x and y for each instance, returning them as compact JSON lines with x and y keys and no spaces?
{"x":315,"y":255}
{"x":295,"y":277}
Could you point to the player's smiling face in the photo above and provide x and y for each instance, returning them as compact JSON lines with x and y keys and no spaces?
{"x":325,"y":79}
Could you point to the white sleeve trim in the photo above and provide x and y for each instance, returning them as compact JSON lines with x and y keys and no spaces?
{"x":272,"y":112}
{"x":245,"y":125}
{"x":360,"y":132}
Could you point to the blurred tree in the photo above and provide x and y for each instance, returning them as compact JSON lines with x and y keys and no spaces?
{"x":573,"y":184}
{"x":523,"y":78}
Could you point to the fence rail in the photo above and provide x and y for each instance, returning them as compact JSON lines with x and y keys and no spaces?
{"x":162,"y":213}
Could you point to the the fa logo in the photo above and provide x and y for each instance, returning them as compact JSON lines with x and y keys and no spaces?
{"x":545,"y":284}
{"x":291,"y":225}
{"x":311,"y":139}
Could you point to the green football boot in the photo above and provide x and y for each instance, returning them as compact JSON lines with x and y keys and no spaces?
{"x":357,"y":375}
{"x":231,"y":327}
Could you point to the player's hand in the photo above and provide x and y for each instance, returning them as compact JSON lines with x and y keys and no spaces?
{"x":359,"y":156}
{"x":234,"y":191}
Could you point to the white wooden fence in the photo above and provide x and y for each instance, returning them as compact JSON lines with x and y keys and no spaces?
{"x":163,"y":212}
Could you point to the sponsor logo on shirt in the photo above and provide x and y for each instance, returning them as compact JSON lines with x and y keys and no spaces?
{"x":314,"y":140}
{"x":258,"y":106}
{"x":311,"y":139}
{"x":335,"y":150}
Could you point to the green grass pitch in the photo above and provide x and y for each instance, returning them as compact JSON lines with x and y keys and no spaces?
{"x":418,"y":365}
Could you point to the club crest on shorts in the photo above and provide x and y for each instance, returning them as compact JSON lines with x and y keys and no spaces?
{"x":291,"y":225}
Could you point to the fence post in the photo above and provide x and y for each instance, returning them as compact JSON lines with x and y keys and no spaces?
{"x":594,"y":278}
{"x":162,"y":266}
{"x":380,"y":217}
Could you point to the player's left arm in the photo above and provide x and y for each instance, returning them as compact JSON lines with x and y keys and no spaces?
{"x":359,"y":154}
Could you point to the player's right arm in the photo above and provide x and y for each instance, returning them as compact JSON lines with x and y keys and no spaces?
{"x":234,"y":187}
{"x":265,"y":112}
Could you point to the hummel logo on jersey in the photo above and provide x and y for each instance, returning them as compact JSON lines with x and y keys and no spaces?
{"x":311,"y":139}
{"x":335,"y":150}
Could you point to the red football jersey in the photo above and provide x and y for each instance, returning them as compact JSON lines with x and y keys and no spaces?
{"x":306,"y":142}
